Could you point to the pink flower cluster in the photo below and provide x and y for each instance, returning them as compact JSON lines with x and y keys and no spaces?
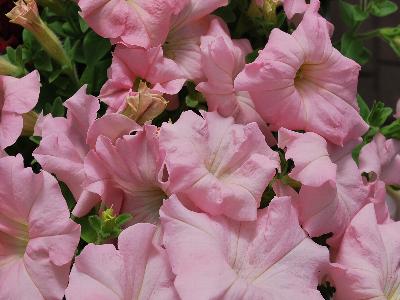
{"x":194,"y":187}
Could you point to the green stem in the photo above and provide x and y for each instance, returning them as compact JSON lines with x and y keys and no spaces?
{"x":368,"y":35}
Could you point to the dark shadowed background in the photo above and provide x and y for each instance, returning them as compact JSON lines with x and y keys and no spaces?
{"x":380,"y":78}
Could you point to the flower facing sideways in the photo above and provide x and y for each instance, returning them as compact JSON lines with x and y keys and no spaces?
{"x":303,"y":76}
{"x":37,"y":238}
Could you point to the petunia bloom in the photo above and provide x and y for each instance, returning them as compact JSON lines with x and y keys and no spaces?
{"x":134,"y":23}
{"x":66,"y":142}
{"x":367,"y":264}
{"x":131,"y":65}
{"x":139,"y":269}
{"x":221,"y":167}
{"x":218,"y":258}
{"x":301,"y":82}
{"x":17,"y":97}
{"x":222,"y":60}
{"x":125,"y":173}
{"x":332,"y":189}
{"x":382,"y":157}
{"x":37,"y":238}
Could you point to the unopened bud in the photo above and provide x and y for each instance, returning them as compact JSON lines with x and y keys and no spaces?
{"x":145,"y":105}
{"x":26,"y":14}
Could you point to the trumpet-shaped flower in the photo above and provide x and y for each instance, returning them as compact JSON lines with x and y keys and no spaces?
{"x":125,"y":174}
{"x":66,"y":142}
{"x":130,"y":65}
{"x":332,"y":190}
{"x":138,"y":270}
{"x":134,"y":22}
{"x":382,"y":157}
{"x":37,"y":238}
{"x":17,"y":96}
{"x":218,"y":258}
{"x":301,"y":82}
{"x":367,"y":264}
{"x":221,"y":167}
{"x":222,"y":60}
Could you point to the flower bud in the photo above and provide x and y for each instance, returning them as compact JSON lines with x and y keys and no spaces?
{"x":144,"y":105}
{"x":26,"y":14}
{"x":7,"y":68}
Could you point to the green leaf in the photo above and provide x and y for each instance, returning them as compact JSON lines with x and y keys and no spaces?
{"x":354,"y":49}
{"x":392,"y":36}
{"x":95,"y":48}
{"x":251,"y":56}
{"x":35,"y":139}
{"x":392,"y":130}
{"x":42,"y":61}
{"x":364,"y":109}
{"x":88,"y":234}
{"x":382,"y":8}
{"x":122,"y":219}
{"x":351,"y":14}
{"x":379,"y":114}
{"x":95,"y":222}
{"x":58,"y":109}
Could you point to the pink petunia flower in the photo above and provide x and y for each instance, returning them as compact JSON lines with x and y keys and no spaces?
{"x":332,"y":190}
{"x":217,"y":258}
{"x":382,"y":157}
{"x":37,"y":238}
{"x":301,"y":82}
{"x":221,"y":167}
{"x":17,"y":96}
{"x":125,"y":173}
{"x":130,"y":65}
{"x":66,"y":142}
{"x":139,"y":269}
{"x":367,"y":264}
{"x":222,"y":60}
{"x":135,"y":23}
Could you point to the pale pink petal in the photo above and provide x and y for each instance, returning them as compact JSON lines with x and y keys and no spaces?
{"x":37,"y":238}
{"x":17,"y":96}
{"x":304,"y":77}
{"x":367,"y":264}
{"x":221,"y":167}
{"x":313,"y":166}
{"x":330,"y":207}
{"x":293,"y":7}
{"x":112,"y":126}
{"x":63,"y":146}
{"x":135,"y":23}
{"x":138,"y":270}
{"x":195,"y":10}
{"x":130,"y":64}
{"x":382,"y":157}
{"x":125,"y":174}
{"x":250,"y":260}
{"x":397,"y":115}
